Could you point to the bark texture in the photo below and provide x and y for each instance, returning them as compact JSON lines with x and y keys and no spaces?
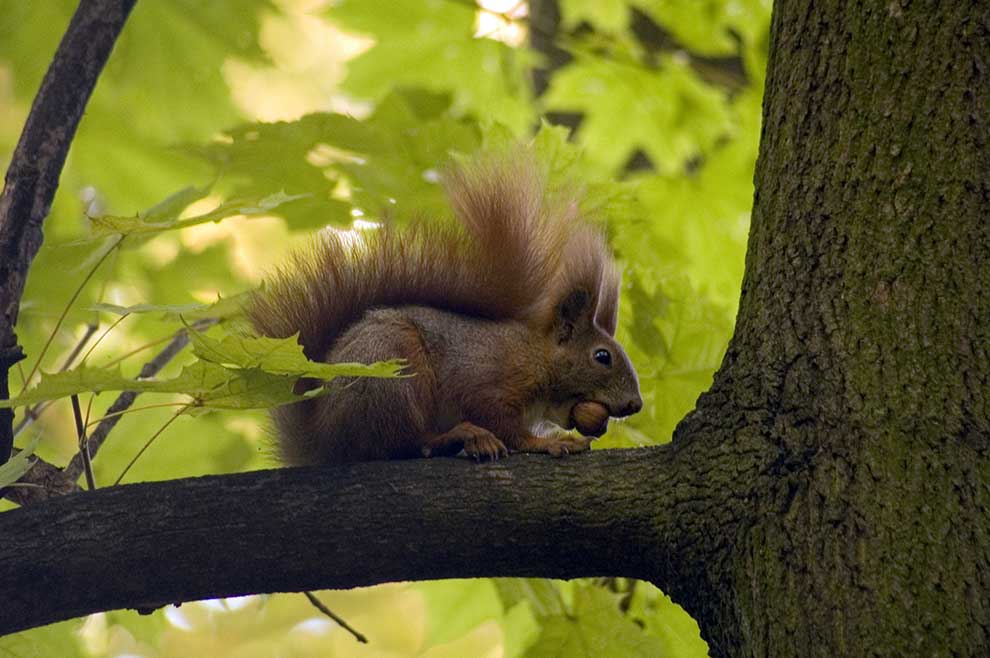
{"x":146,"y":545}
{"x":36,"y":165}
{"x":861,"y":347}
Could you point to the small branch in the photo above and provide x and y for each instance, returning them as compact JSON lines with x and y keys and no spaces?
{"x":126,"y":399}
{"x":68,"y":307}
{"x":83,"y":444}
{"x":147,"y":444}
{"x":37,"y":162}
{"x":332,"y":615}
{"x":33,"y":413}
{"x":105,"y":333}
{"x":47,"y":480}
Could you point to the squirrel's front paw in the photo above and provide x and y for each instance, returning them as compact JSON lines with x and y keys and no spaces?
{"x":556,"y":445}
{"x":565,"y":445}
{"x":477,"y":442}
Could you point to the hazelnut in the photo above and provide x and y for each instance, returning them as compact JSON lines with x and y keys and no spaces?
{"x":590,"y":418}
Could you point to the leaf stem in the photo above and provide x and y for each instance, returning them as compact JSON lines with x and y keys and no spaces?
{"x":127,"y":355}
{"x":68,"y":306}
{"x":83,"y":444}
{"x":147,"y":444}
{"x":161,"y":405}
{"x":34,"y":412}
{"x":104,"y":335}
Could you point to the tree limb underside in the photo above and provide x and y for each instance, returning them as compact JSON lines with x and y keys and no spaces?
{"x":614,"y":512}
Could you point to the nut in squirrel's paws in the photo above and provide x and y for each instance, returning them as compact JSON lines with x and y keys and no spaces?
{"x":590,"y":418}
{"x":567,"y":445}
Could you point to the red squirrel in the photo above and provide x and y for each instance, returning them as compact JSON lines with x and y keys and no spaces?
{"x":506,"y":318}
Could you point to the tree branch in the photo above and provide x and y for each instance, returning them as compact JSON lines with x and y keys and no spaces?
{"x":341,"y":527}
{"x":36,"y":165}
{"x":661,"y":514}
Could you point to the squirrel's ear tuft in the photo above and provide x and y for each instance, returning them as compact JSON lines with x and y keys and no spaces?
{"x":573,"y":312}
{"x":607,"y":313}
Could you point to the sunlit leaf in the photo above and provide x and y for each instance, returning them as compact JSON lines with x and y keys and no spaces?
{"x":281,"y":356}
{"x":224,"y":307}
{"x":432,"y":45}
{"x":143,"y":225}
{"x":19,"y":464}
{"x":606,"y":15}
{"x":669,"y":114}
{"x":595,"y":628}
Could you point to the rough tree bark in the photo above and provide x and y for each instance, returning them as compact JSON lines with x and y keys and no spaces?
{"x":861,"y":348}
{"x":36,"y":165}
{"x":828,"y":496}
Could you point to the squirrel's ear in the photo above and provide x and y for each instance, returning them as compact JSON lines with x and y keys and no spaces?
{"x":572,"y":313}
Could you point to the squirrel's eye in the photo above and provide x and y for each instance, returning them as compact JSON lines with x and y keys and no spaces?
{"x":603,"y":357}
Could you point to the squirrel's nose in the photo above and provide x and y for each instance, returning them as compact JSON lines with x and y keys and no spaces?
{"x":632,"y":406}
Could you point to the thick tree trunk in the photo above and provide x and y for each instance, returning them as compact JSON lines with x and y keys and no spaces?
{"x":861,"y":348}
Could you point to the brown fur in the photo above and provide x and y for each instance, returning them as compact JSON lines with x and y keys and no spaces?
{"x":496,"y":314}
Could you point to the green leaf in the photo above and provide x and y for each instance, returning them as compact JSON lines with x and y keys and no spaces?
{"x":167,"y":310}
{"x":542,"y":595}
{"x":604,"y":15}
{"x":281,"y":356}
{"x":669,"y":114}
{"x":200,"y":380}
{"x":59,"y":639}
{"x":710,"y":27}
{"x":173,"y":205}
{"x":223,"y":308}
{"x":668,"y":621}
{"x":596,"y":628}
{"x":248,"y":388}
{"x":143,"y":225}
{"x":18,"y":464}
{"x":78,"y":380}
{"x":457,"y":606}
{"x":431,"y":45}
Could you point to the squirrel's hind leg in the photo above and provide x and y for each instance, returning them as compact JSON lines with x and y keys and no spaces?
{"x":363,"y":418}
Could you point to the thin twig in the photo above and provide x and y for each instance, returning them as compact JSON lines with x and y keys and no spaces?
{"x":34,"y":412}
{"x":104,"y":335}
{"x":68,"y":306}
{"x":49,"y":482}
{"x":141,"y":348}
{"x":83,"y":444}
{"x":126,"y":399}
{"x":69,"y":360}
{"x":158,"y":405}
{"x":147,"y":444}
{"x":330,"y":613}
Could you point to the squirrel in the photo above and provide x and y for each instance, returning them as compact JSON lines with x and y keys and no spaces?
{"x":506,"y":317}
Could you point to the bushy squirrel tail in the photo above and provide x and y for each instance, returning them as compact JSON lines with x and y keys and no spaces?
{"x":512,"y":254}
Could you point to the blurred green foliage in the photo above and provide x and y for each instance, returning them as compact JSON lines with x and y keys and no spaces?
{"x":273,"y":118}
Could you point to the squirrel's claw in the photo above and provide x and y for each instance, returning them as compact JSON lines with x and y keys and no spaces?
{"x":476,"y":442}
{"x":565,"y":445}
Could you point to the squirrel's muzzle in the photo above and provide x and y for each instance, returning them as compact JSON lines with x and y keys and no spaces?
{"x":629,"y":408}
